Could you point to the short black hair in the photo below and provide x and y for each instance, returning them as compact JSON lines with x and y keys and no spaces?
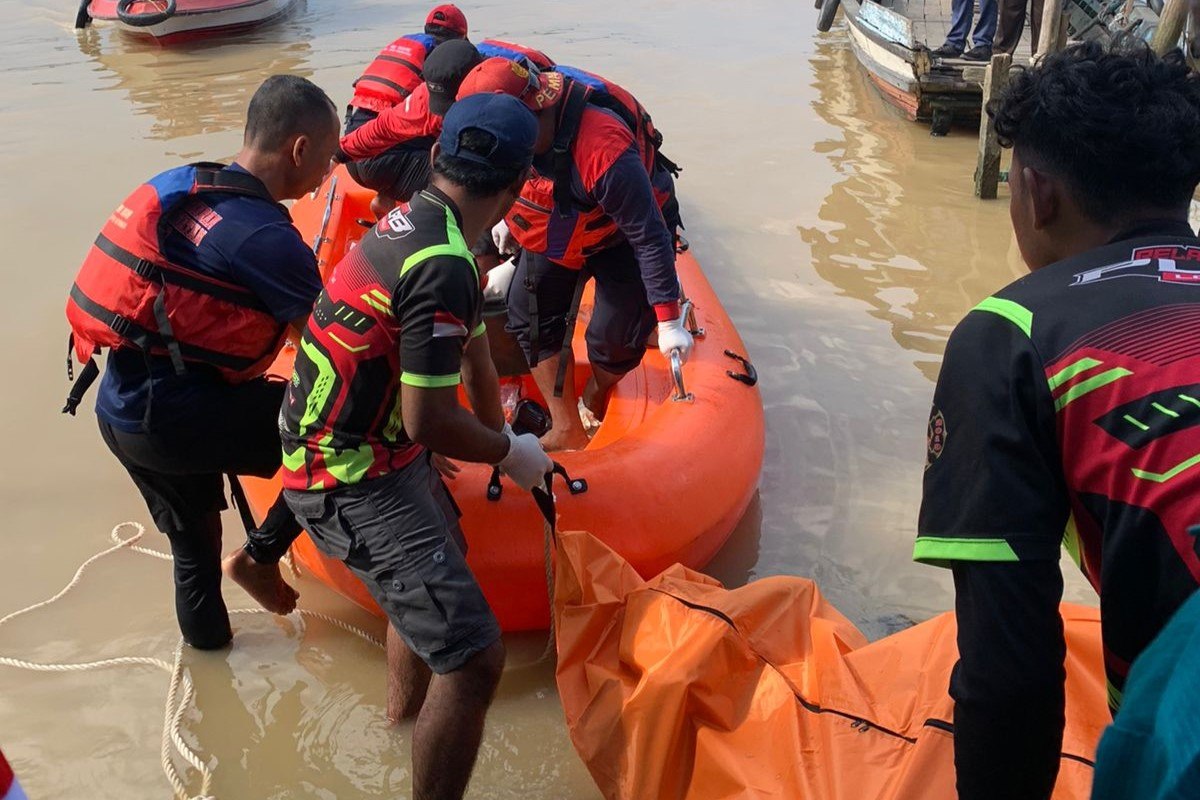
{"x":480,"y":180}
{"x":442,"y":33}
{"x":1120,"y":125}
{"x":286,"y":106}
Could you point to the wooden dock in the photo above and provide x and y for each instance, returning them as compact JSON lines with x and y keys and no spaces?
{"x":893,"y":40}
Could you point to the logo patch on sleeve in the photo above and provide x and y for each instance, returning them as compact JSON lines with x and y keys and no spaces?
{"x":935,"y":437}
{"x":446,"y":325}
{"x":394,"y":226}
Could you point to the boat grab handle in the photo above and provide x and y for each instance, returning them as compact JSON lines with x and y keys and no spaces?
{"x":316,"y":245}
{"x":749,"y":377}
{"x":681,"y":392}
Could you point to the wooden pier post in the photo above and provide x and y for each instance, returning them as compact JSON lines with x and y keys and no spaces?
{"x":1053,"y":35}
{"x":987,"y":170}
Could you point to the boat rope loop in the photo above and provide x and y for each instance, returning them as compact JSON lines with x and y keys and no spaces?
{"x":181,"y":691}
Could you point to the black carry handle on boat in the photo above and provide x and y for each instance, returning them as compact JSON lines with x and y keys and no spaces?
{"x":749,"y":377}
{"x":145,"y":20}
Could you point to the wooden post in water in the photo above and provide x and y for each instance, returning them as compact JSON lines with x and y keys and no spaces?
{"x":1053,"y":35}
{"x":987,"y":170}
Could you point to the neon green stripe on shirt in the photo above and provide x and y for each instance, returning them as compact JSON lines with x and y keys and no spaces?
{"x":1015,"y":313}
{"x":430,"y":381}
{"x":941,"y":550}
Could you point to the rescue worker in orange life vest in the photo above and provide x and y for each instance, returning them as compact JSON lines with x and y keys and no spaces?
{"x":388,"y":81}
{"x":235,"y":274}
{"x":418,"y":120}
{"x":610,"y":215}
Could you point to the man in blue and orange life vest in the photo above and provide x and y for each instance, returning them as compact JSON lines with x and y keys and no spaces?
{"x":411,"y":127}
{"x":397,"y":328}
{"x":388,"y":81}
{"x":191,"y":287}
{"x":1067,"y":412}
{"x":600,"y":203}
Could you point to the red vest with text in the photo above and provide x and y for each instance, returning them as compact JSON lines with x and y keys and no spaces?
{"x":596,"y":121}
{"x":127,"y":294}
{"x":394,"y":73}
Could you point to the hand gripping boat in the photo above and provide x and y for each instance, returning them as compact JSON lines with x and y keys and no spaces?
{"x":667,"y":480}
{"x":171,"y":21}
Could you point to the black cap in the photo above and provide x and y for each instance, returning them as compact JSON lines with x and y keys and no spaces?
{"x":507,"y":119}
{"x":444,"y":70}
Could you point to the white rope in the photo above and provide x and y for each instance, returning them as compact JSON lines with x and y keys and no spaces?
{"x":181,"y":691}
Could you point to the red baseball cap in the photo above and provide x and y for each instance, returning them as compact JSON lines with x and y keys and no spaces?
{"x":535,"y":89}
{"x":449,"y":17}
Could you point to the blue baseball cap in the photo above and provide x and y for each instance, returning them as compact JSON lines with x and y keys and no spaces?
{"x":504,"y":117}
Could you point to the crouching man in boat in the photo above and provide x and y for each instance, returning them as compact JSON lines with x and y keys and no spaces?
{"x":191,"y":285}
{"x":600,"y":203}
{"x":375,"y":389}
{"x":396,"y":172}
{"x":392,"y":147}
{"x":1067,"y":411}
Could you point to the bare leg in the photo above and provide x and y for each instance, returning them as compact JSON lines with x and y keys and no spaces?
{"x":450,"y":726}
{"x":407,"y":679}
{"x":567,"y":431}
{"x":263,"y":582}
{"x":599,"y":388}
{"x":382,"y":204}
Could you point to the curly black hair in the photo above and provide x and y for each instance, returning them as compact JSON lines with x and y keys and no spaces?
{"x":1121,"y":126}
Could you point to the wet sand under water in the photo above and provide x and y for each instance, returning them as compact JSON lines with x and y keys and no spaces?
{"x":844,"y":241}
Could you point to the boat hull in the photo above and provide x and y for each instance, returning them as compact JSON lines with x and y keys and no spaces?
{"x":196,"y":19}
{"x":668,"y":481}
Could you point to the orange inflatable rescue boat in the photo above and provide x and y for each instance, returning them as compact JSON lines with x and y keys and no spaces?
{"x":667,"y":480}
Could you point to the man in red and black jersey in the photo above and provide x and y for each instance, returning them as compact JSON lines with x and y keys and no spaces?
{"x":1067,"y":411}
{"x":397,"y":328}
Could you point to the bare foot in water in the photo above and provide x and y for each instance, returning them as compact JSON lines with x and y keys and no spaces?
{"x":263,"y":582}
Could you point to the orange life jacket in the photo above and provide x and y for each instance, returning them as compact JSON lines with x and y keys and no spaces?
{"x":577,"y":231}
{"x":128,"y":294}
{"x":394,"y":73}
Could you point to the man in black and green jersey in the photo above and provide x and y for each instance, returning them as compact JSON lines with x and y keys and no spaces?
{"x":397,"y":328}
{"x":1067,"y":411}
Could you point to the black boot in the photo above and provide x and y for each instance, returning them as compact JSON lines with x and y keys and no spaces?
{"x":947,"y":51}
{"x":981,"y":52}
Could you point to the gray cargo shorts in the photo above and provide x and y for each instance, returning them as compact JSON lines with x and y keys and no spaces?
{"x":399,"y":534}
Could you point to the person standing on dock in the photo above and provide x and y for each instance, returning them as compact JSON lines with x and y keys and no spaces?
{"x":960,"y":25}
{"x":600,"y":203}
{"x":388,"y":81}
{"x":1012,"y":25}
{"x":191,"y":287}
{"x":1067,"y":412}
{"x":397,"y":329}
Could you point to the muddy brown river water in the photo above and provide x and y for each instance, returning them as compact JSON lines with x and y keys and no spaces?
{"x":844,"y":241}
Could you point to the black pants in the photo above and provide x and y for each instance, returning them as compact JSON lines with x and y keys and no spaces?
{"x":1012,"y":24}
{"x":622,"y":318}
{"x":180,"y":473}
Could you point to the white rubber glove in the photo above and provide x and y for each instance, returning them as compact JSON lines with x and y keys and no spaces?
{"x":499,"y":278}
{"x":673,"y":336}
{"x":503,"y":238}
{"x":526,"y":462}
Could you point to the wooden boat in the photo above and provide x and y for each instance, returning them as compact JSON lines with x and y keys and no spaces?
{"x":173,"y":21}
{"x":893,"y":40}
{"x":667,"y":479}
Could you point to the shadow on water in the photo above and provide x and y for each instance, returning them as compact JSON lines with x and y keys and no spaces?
{"x":201,"y":87}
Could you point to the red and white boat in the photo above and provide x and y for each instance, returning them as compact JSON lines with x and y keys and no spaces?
{"x":170,"y":21}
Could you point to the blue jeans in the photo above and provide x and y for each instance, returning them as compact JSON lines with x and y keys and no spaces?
{"x":960,"y":23}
